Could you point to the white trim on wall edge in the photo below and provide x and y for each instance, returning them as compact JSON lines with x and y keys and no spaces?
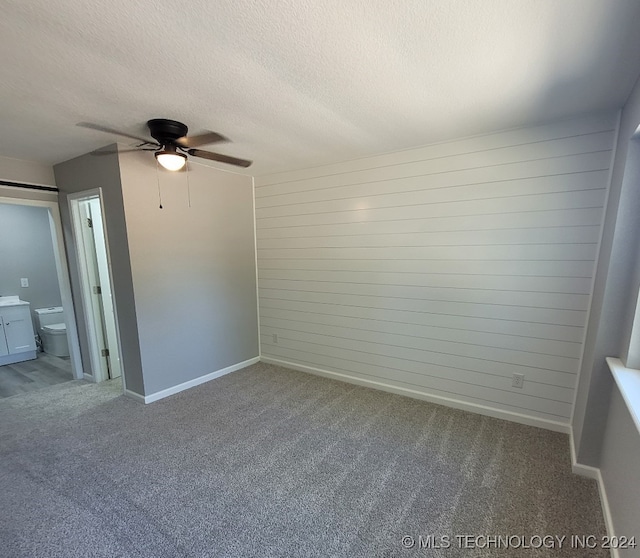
{"x":578,"y":468}
{"x":594,"y":473}
{"x":134,"y":395}
{"x":446,"y":401}
{"x":255,"y":254}
{"x":197,"y":381}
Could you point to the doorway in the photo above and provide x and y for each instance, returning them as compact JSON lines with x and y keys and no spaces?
{"x":7,"y":197}
{"x":95,"y":278}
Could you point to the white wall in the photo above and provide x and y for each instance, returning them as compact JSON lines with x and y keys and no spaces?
{"x":31,"y":172}
{"x":27,"y":172}
{"x":441,"y":270}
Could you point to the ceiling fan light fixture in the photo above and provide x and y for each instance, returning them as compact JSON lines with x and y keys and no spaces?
{"x":171,"y":160}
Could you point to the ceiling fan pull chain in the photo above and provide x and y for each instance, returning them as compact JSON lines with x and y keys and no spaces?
{"x":188,"y":186}
{"x":158,"y":178}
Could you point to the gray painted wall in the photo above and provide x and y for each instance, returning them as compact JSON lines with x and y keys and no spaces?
{"x":26,"y":250}
{"x":86,"y":173}
{"x":615,"y":293}
{"x":442,"y":270}
{"x":605,"y":435}
{"x":193,"y":269}
{"x":629,"y":211}
{"x":620,"y":466}
{"x":183,"y":277}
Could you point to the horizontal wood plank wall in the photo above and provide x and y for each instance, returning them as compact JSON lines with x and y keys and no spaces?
{"x":444,"y":269}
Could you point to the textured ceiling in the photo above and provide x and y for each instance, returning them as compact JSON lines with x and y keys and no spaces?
{"x":297,"y":83}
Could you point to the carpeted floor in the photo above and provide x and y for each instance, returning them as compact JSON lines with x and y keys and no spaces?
{"x":271,"y":462}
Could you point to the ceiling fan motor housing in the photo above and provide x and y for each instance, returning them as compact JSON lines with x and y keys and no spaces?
{"x":166,"y":131}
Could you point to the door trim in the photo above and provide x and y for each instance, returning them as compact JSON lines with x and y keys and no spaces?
{"x":73,"y":200}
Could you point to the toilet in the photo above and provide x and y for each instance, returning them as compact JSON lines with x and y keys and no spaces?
{"x":52,"y":330}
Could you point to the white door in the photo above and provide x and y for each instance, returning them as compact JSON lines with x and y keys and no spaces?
{"x":93,"y":292}
{"x":106,"y":298}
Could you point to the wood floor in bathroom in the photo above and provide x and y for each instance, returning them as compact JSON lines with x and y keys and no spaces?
{"x":32,"y":375}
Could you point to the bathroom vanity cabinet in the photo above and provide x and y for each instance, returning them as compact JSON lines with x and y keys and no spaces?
{"x":17,"y":340}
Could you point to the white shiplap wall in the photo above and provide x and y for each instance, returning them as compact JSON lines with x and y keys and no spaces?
{"x":441,"y":270}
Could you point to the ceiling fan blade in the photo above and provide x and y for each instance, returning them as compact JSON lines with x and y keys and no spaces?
{"x":112,"y":131}
{"x":203,"y":139}
{"x":219,"y":157}
{"x":138,"y":149}
{"x":114,"y":151}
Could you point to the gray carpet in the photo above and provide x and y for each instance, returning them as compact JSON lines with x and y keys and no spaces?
{"x":272,"y":462}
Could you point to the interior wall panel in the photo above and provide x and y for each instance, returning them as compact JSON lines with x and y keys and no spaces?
{"x":443,"y":270}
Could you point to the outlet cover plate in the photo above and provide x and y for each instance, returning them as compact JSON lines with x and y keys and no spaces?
{"x":518,"y":380}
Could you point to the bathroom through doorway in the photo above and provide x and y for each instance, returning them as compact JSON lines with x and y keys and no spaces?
{"x":32,"y":374}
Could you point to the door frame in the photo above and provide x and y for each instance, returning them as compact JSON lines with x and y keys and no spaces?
{"x":73,"y":200}
{"x":62,"y":271}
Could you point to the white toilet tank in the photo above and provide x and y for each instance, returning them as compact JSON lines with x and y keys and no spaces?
{"x":52,"y":330}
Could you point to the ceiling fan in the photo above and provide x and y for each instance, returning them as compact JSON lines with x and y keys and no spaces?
{"x":172,"y":145}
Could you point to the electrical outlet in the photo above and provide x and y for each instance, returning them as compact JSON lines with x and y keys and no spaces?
{"x":24,"y":282}
{"x":275,"y":338}
{"x":518,"y":380}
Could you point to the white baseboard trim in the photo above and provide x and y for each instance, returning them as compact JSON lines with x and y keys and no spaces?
{"x":88,"y":377}
{"x":594,"y":473}
{"x":578,"y":468}
{"x":197,"y":381}
{"x":446,"y":401}
{"x":134,"y":395}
